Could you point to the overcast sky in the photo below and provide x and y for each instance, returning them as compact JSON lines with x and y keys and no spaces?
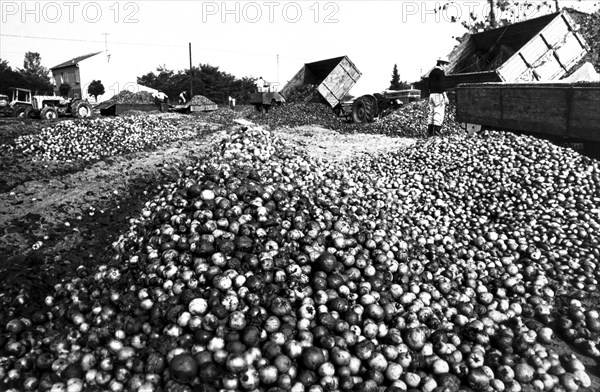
{"x":243,"y":38}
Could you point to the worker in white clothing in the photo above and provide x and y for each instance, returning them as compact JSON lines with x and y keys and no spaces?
{"x":260,"y":85}
{"x":162,"y":97}
{"x":183,"y":97}
{"x":438,"y":99}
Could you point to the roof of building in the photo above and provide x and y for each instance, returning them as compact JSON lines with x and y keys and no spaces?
{"x":75,"y":61}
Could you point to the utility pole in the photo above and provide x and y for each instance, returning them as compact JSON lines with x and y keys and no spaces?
{"x":191,"y":73}
{"x":106,"y":47}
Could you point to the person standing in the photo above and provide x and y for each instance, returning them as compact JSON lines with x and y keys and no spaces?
{"x":183,"y":97}
{"x":260,"y":85}
{"x":438,"y":99}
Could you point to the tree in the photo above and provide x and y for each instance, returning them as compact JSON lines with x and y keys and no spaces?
{"x":504,"y":12}
{"x":207,"y":80}
{"x":96,"y":88}
{"x":395,"y":82}
{"x":10,"y":78}
{"x":493,"y":23}
{"x":33,"y":64}
{"x":34,"y":74}
{"x":64,"y":89}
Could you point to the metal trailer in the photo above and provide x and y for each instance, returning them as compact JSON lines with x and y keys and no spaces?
{"x":335,"y":78}
{"x":553,"y":110}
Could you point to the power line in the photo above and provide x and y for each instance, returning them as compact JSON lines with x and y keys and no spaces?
{"x":89,"y":40}
{"x":144,"y":44}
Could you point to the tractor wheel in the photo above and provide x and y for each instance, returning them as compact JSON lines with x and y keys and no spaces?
{"x":81,"y":109}
{"x":49,"y":113}
{"x":364,"y":109}
{"x":19,"y":111}
{"x":262,"y":108}
{"x":30,"y":113}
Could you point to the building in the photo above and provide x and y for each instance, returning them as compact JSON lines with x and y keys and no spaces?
{"x":71,"y":72}
{"x":80,"y":71}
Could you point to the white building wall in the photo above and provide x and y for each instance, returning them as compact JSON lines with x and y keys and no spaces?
{"x":111,"y":73}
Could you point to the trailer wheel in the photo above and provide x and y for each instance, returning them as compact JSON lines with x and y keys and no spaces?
{"x":364,"y":109}
{"x":49,"y":113}
{"x":81,"y":109}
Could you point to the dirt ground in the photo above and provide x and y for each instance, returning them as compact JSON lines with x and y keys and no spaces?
{"x":56,"y":217}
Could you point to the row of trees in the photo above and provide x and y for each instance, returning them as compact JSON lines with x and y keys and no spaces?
{"x":32,"y":76}
{"x":206,"y":80}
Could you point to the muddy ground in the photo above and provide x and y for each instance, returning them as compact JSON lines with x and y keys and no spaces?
{"x":56,"y":216}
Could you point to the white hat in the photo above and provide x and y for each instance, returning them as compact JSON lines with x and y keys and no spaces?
{"x":443,"y":59}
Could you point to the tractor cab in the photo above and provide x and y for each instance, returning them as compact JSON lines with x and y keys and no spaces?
{"x":20,"y":101}
{"x":20,"y":96}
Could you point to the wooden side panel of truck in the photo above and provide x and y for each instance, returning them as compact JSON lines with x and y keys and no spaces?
{"x":568,"y":110}
{"x":333,"y":77}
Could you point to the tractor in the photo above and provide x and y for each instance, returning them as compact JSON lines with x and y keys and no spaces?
{"x":263,"y":101}
{"x":368,"y":107}
{"x":18,"y":103}
{"x":47,"y":107}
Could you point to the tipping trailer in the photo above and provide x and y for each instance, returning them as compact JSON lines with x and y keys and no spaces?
{"x":552,"y":110}
{"x":335,"y":77}
{"x":543,"y":49}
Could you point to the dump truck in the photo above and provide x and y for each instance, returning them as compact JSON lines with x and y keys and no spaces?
{"x":335,"y":78}
{"x":567,"y":111}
